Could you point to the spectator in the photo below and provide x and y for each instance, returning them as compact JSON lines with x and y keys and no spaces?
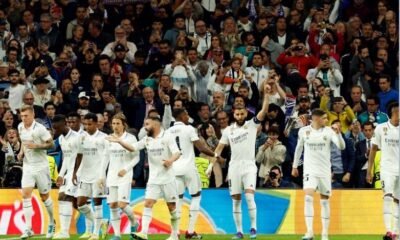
{"x":11,"y":167}
{"x":357,"y":103}
{"x":373,"y":114}
{"x":15,"y":91}
{"x":386,"y":94}
{"x":121,"y":39}
{"x":362,"y":152}
{"x":275,"y":179}
{"x":340,"y":111}
{"x":271,"y":154}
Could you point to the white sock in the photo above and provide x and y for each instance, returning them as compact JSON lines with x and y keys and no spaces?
{"x":174,"y":223}
{"x":325,"y":216}
{"x":252,"y":208}
{"x":28,"y":212}
{"x":237,"y":214}
{"x":49,"y":206}
{"x":387,"y":212}
{"x":178,"y":208}
{"x":87,"y":211}
{"x":396,"y":218}
{"x":129,"y":213}
{"x":146,"y":219}
{"x":193,"y":213}
{"x":116,"y":221}
{"x":98,"y":217}
{"x":309,"y":213}
{"x":65,"y":215}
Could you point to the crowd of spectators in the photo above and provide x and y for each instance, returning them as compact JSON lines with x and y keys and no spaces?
{"x":209,"y":56}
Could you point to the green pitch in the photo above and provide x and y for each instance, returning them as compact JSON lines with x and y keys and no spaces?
{"x":227,"y":237}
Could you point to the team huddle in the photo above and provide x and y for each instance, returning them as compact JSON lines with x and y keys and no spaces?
{"x":97,"y":166}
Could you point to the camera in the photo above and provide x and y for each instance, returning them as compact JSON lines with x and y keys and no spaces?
{"x":272,"y":175}
{"x":297,"y":48}
{"x":324,"y":57}
{"x":255,"y":49}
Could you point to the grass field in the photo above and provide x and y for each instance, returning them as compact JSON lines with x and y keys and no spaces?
{"x":227,"y":236}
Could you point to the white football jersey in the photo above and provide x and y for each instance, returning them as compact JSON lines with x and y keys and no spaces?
{"x":242,"y":140}
{"x":93,"y":149}
{"x":69,"y":145}
{"x":184,"y":136}
{"x":317,"y":150}
{"x":387,"y":139}
{"x":158,"y":150}
{"x":119,"y":158}
{"x":34,"y":159}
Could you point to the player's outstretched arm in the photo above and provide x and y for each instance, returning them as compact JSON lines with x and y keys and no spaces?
{"x":125,"y":145}
{"x":371,"y":158}
{"x":202,"y":147}
{"x":261,"y":114}
{"x":337,"y":139}
{"x":48,"y":144}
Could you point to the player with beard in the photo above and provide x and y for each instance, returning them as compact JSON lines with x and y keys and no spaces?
{"x":69,"y":142}
{"x":162,"y":152}
{"x":242,"y":172}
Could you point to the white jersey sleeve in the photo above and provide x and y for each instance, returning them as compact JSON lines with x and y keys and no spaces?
{"x":299,"y":148}
{"x":337,"y":139}
{"x":225,"y":138}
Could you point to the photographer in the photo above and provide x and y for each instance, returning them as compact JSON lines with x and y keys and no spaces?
{"x":272,"y":153}
{"x":331,"y":77}
{"x":12,"y":169}
{"x":275,"y":179}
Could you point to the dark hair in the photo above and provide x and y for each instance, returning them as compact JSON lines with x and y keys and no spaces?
{"x":385,"y":76}
{"x":73,"y":114}
{"x":90,"y":116}
{"x":164,"y":41}
{"x":273,"y":129}
{"x":375,"y":98}
{"x":390,"y":106}
{"x":179,"y":16}
{"x":335,"y":121}
{"x":104,"y":57}
{"x":158,"y":119}
{"x":318,"y":112}
{"x":367,"y":123}
{"x":12,"y":71}
{"x":59,"y":118}
{"x":49,"y":103}
{"x":177,"y":112}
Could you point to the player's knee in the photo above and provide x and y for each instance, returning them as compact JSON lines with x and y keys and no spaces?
{"x":81,"y":202}
{"x":149,"y":203}
{"x":113,"y":205}
{"x":61,"y":197}
{"x":97,"y":201}
{"x":171,"y":206}
{"x":236,"y":197}
{"x":122,"y":205}
{"x":44,"y":197}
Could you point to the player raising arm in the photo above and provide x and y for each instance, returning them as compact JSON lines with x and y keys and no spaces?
{"x":241,"y":136}
{"x":387,"y":139}
{"x":162,"y":152}
{"x":120,"y":163}
{"x":316,"y":141}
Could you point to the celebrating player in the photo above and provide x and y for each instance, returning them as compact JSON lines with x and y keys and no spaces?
{"x":120,"y":163}
{"x":162,"y":152}
{"x":387,"y":139}
{"x":241,"y":136}
{"x":185,"y":169}
{"x":92,"y":148}
{"x":69,"y":143}
{"x":35,"y":141}
{"x":316,"y":140}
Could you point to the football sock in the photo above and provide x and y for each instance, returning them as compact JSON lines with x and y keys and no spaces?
{"x":325,"y":216}
{"x":87,"y":211}
{"x":387,"y":212}
{"x":98,"y":217}
{"x":116,"y":221}
{"x":129,"y":213}
{"x":28,"y":212}
{"x":252,"y":208}
{"x":146,"y":219}
{"x":49,"y":207}
{"x":174,"y":222}
{"x":309,"y":213}
{"x":193,"y":213}
{"x":237,"y":214}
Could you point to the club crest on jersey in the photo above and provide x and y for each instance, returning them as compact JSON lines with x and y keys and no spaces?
{"x":325,"y":138}
{"x":307,"y":134}
{"x":385,"y":130}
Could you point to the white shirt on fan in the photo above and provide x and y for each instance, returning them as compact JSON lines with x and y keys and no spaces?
{"x":184,"y":135}
{"x":387,"y":139}
{"x":93,"y":149}
{"x":317,"y":150}
{"x":159,"y":149}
